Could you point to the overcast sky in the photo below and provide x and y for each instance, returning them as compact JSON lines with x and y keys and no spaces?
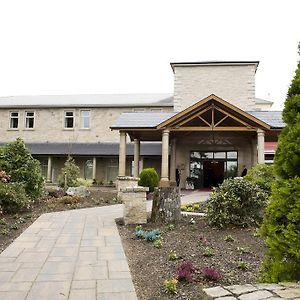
{"x":125,"y":46}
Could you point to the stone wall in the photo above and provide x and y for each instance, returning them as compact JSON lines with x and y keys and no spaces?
{"x":233,"y":83}
{"x":135,"y":207}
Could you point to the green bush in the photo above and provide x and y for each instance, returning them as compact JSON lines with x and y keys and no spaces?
{"x":13,"y":197}
{"x":149,"y":178}
{"x":236,"y":202}
{"x":263,"y":175}
{"x":69,"y":173}
{"x":17,"y":161}
{"x":281,"y":231}
{"x":85,"y":182}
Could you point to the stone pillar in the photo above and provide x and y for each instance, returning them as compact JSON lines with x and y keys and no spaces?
{"x":136,"y":157}
{"x":173,"y":163}
{"x":164,"y":180}
{"x":254,"y":151}
{"x":49,"y":169}
{"x":141,"y":164}
{"x":94,"y":167}
{"x":122,"y":154}
{"x":260,"y":146}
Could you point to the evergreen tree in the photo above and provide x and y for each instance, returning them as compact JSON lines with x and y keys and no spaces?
{"x":69,"y":174}
{"x":281,"y":226}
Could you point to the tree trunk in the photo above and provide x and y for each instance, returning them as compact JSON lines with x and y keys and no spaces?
{"x":166,"y":205}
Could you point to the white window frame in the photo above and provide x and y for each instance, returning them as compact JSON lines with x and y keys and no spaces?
{"x":11,"y":117}
{"x":82,"y":118}
{"x":29,"y":117}
{"x":65,"y":117}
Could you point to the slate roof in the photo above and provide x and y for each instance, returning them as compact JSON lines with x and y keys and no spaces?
{"x":263,"y":101}
{"x":100,"y":100}
{"x":273,"y":118}
{"x":91,"y":149}
{"x":151,"y":120}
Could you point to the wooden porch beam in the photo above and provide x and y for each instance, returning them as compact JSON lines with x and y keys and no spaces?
{"x":198,"y":128}
{"x":223,"y":119}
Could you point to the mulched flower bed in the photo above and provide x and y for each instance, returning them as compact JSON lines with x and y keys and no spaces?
{"x":235,"y":253}
{"x":12,"y":225}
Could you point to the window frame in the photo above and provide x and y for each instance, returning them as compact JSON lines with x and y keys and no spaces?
{"x":65,"y":117}
{"x":10,"y":119}
{"x":81,"y":119}
{"x":29,"y":117}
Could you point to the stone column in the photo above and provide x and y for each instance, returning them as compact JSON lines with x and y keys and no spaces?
{"x":164,"y":180}
{"x":122,"y":154}
{"x":141,"y":164}
{"x":49,"y":169}
{"x":254,"y":151}
{"x":173,"y":163}
{"x":136,"y":157}
{"x":260,"y":146}
{"x":94,"y":167}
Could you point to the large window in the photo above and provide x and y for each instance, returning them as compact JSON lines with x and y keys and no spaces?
{"x":29,"y":119}
{"x":14,"y":120}
{"x":69,"y":119}
{"x":85,"y":116}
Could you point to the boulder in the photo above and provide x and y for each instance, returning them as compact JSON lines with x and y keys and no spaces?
{"x":80,"y":191}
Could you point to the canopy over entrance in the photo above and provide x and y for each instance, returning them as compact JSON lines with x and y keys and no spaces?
{"x":210,"y":115}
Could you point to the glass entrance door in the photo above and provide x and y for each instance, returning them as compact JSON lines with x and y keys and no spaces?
{"x":209,"y":169}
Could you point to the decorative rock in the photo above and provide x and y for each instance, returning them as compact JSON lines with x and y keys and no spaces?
{"x":288,"y":293}
{"x":80,"y":191}
{"x":257,"y":295}
{"x":268,"y":286}
{"x":241,"y":289}
{"x":217,"y":291}
{"x":226,"y":298}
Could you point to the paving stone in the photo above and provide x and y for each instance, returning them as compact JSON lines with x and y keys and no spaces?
{"x":115,"y":286}
{"x":67,"y":251}
{"x":118,"y":275}
{"x":118,"y":265}
{"x":13,"y":295}
{"x":217,"y":291}
{"x":241,"y":289}
{"x":226,"y":298}
{"x":257,"y":295}
{"x":62,"y":258}
{"x":6,"y":276}
{"x":83,"y":284}
{"x":93,"y":271}
{"x":49,"y":291}
{"x":6,"y":267}
{"x":85,"y":294}
{"x":111,"y":255}
{"x":14,"y":286}
{"x":58,"y":267}
{"x":55,"y":277}
{"x":12,"y":251}
{"x":99,"y":242}
{"x":117,"y":296}
{"x":288,"y":293}
{"x":268,"y":286}
{"x":87,"y":256}
{"x":32,"y":257}
{"x":25,"y":275}
{"x":290,"y":284}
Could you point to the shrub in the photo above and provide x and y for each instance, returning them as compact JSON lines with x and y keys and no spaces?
{"x":211,"y":274}
{"x":157,"y":244}
{"x":69,"y":200}
{"x":171,"y":286}
{"x":13,"y":197}
{"x":84,"y":182}
{"x":69,"y":174}
{"x":229,"y":238}
{"x":149,"y":178}
{"x":236,"y":202}
{"x":263,"y":175}
{"x":173,"y":255}
{"x":185,"y":271}
{"x":17,"y":161}
{"x":242,"y":265}
{"x":4,"y":177}
{"x":281,"y":231}
{"x":208,"y":252}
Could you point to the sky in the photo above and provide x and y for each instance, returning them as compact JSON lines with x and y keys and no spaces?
{"x":56,"y":47}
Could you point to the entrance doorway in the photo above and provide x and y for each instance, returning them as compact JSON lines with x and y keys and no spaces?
{"x":208,"y":169}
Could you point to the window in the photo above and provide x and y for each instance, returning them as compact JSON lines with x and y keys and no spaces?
{"x":13,"y":119}
{"x":29,"y":119}
{"x":69,"y":119}
{"x":85,"y":119}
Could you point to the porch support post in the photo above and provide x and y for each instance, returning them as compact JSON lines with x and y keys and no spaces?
{"x":136,"y":158}
{"x":173,"y":163}
{"x":254,"y":151}
{"x":122,"y":154}
{"x":260,"y":146}
{"x":164,"y":180}
{"x":49,"y":169}
{"x":94,"y":167}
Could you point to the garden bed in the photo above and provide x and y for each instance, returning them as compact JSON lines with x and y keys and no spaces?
{"x":12,"y":225}
{"x":235,"y":253}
